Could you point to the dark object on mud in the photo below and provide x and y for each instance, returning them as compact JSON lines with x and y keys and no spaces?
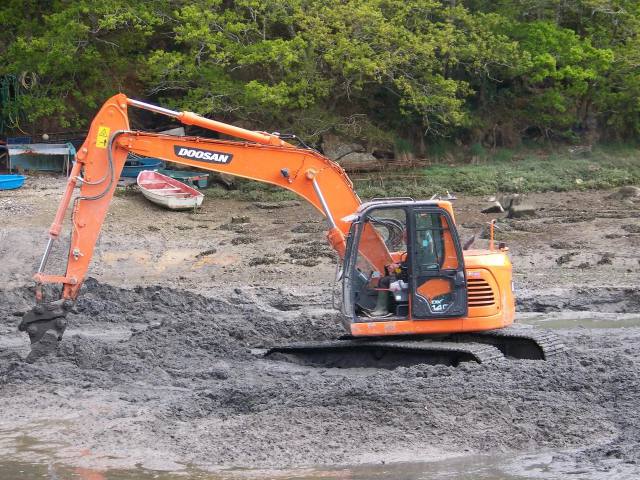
{"x":606,"y":259}
{"x":566,"y":258}
{"x":631,"y":228}
{"x":309,"y":228}
{"x":268,"y":259}
{"x":240,"y":219}
{"x":243,"y":240}
{"x":306,"y":262}
{"x":276,"y":205}
{"x":309,"y":251}
{"x":205,"y":253}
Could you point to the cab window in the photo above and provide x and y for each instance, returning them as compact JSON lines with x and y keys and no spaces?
{"x":429,"y":244}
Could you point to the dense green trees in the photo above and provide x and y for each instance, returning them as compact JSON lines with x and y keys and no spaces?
{"x":490,"y":71}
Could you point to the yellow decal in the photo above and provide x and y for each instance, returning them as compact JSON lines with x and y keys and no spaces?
{"x":103,"y":137}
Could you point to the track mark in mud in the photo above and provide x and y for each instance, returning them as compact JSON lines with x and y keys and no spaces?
{"x":603,"y":299}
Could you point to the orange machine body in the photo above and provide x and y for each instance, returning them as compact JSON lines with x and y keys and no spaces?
{"x":490,"y":299}
{"x":266,"y":158}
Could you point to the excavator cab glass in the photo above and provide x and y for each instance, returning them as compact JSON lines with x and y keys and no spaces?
{"x":438,"y":283}
{"x":403,"y":261}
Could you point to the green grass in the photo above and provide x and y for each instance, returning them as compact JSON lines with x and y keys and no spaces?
{"x":249,"y":190}
{"x":508,"y":171}
{"x":521,"y":171}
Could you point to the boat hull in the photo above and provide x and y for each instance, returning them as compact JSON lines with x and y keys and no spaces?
{"x":168,"y":192}
{"x":11,"y":182}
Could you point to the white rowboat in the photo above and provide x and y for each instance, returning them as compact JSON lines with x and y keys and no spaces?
{"x":168,"y":192}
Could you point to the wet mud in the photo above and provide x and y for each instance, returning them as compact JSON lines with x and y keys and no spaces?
{"x":160,"y":366}
{"x":186,"y":376}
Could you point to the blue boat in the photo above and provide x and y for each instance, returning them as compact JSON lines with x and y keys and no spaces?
{"x":134,"y":166}
{"x":11,"y":182}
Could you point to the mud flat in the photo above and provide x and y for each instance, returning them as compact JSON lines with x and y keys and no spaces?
{"x":163,"y":374}
{"x":184,"y":388}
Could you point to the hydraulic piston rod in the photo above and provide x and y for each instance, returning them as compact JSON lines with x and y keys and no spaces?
{"x":189,"y":118}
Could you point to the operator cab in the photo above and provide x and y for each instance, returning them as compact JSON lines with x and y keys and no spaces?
{"x":403,"y":260}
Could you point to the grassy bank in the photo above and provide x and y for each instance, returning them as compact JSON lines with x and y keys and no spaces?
{"x":503,"y":171}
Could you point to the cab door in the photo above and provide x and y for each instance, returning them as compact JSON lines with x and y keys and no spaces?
{"x":438,"y":284}
{"x":350,"y":274}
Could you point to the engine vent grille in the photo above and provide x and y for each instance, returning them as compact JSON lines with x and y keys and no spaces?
{"x":480,"y":293}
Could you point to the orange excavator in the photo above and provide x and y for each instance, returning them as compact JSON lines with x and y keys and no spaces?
{"x":410,"y":292}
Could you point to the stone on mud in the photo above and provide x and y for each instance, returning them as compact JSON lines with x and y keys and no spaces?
{"x":625,"y":193}
{"x":494,"y":207}
{"x":521,"y":211}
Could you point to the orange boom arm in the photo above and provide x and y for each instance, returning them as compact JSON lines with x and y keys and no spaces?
{"x":263,"y":157}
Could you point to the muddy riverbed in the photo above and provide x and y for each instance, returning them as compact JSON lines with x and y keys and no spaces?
{"x":158,"y":369}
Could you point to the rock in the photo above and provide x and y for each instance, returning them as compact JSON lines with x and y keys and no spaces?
{"x":276,"y":205}
{"x":205,"y":253}
{"x":631,"y":228}
{"x":521,"y":211}
{"x":351,"y":156}
{"x":507,"y":200}
{"x":360,"y":162}
{"x":309,"y":228}
{"x":606,"y":259}
{"x":625,"y":193}
{"x":494,"y":207}
{"x":268,"y":259}
{"x":335,"y":148}
{"x":566,"y":258}
{"x":240,"y":219}
{"x":243,"y":240}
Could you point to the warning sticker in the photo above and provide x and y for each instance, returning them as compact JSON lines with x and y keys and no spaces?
{"x":103,"y":137}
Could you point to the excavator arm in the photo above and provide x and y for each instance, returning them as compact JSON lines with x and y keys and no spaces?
{"x":260,"y":156}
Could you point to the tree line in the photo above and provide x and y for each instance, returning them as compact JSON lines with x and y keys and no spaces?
{"x":406,"y":72}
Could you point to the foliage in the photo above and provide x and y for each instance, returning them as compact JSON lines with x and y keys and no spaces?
{"x":484,"y":72}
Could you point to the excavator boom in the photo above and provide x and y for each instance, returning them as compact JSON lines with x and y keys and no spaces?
{"x":261,"y":156}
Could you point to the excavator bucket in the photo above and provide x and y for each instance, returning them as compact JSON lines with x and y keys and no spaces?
{"x":45,"y":324}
